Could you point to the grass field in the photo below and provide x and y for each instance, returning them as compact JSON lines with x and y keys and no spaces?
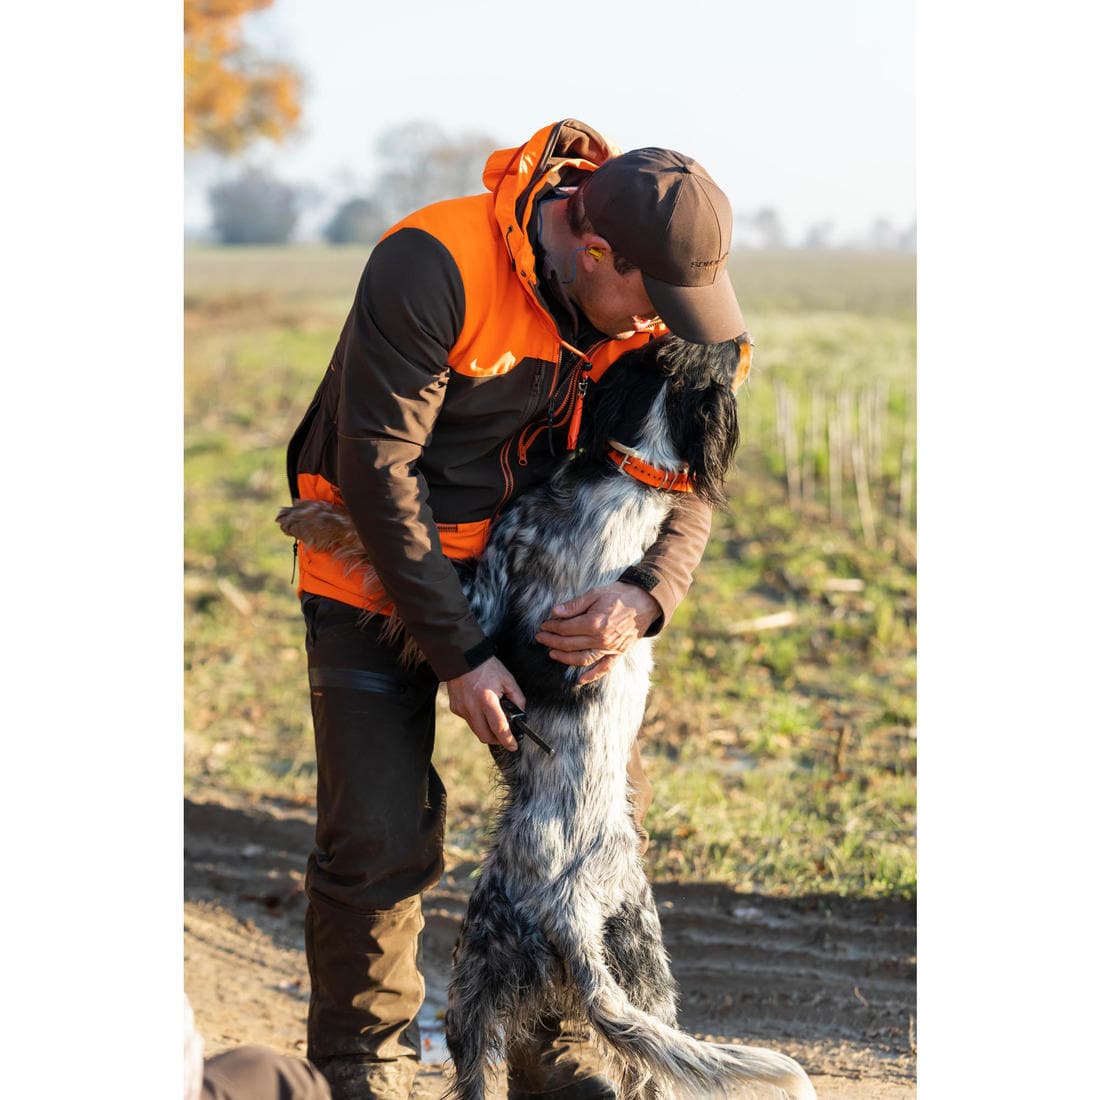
{"x":780,"y":733}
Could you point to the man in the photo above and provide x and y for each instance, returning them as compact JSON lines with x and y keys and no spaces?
{"x":457,"y":383}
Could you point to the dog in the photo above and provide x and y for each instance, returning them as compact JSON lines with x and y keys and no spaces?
{"x":561,"y":921}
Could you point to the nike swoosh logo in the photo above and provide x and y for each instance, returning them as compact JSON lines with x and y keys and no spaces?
{"x":504,"y":364}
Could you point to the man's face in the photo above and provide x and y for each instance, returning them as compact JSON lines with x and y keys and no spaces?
{"x":617,"y":305}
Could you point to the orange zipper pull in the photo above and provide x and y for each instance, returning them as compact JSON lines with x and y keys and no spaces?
{"x":575,"y":419}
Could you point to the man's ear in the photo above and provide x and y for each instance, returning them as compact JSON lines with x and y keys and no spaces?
{"x":594,"y":249}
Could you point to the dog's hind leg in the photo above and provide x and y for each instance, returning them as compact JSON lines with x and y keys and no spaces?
{"x":636,"y":957}
{"x":502,"y":970}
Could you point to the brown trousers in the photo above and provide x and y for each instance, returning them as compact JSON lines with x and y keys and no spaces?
{"x":379,"y":841}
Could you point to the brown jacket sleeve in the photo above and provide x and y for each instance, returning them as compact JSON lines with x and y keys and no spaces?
{"x":408,"y":312}
{"x":666,"y":570}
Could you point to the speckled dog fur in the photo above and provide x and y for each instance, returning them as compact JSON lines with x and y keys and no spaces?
{"x":561,"y":920}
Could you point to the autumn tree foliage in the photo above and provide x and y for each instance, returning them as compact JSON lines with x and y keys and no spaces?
{"x":231,"y":96}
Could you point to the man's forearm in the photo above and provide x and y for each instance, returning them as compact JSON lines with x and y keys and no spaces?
{"x":387,"y":501}
{"x":667,"y":569}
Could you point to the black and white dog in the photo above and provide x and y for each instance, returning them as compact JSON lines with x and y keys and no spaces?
{"x":561,"y":921}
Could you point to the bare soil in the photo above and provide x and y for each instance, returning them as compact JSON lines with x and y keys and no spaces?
{"x":828,"y":980}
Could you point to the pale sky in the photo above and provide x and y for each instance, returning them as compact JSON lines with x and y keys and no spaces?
{"x":804,"y":106}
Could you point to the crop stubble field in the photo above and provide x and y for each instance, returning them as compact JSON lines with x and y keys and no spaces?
{"x":780,"y":732}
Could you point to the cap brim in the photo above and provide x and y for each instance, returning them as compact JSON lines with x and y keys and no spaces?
{"x":698,"y":314}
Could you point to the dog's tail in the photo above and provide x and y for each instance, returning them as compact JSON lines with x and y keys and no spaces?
{"x":329,"y":528}
{"x":677,"y":1063}
{"x":326,"y":527}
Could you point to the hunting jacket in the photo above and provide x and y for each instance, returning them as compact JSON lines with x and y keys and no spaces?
{"x":450,"y":391}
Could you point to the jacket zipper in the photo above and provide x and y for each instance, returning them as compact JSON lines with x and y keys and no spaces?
{"x":528,"y":435}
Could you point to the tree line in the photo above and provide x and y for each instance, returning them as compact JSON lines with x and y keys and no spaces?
{"x":419,"y":163}
{"x":422,"y":164}
{"x":234,"y":97}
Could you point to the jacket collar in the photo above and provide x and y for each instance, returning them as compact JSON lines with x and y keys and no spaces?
{"x":519,"y":177}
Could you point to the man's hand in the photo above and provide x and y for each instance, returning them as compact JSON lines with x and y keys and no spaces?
{"x":475,"y":696}
{"x":598,"y":627}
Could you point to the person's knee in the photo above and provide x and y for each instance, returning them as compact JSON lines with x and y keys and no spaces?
{"x":363,"y":876}
{"x":377,"y":861}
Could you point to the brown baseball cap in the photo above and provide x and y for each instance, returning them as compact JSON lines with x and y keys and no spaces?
{"x":662,"y":211}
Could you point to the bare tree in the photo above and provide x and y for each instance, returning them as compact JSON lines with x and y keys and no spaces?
{"x":769,"y":230}
{"x":420,"y":164}
{"x":424,"y":164}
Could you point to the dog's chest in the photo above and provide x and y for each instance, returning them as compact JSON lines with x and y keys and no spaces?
{"x":582,"y":538}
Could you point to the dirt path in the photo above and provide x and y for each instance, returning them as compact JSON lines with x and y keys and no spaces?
{"x":829,"y":981}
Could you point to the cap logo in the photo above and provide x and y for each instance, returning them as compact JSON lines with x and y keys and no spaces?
{"x":709,"y":263}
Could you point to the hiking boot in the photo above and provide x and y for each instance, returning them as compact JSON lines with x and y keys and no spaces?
{"x":364,"y":996}
{"x":356,"y":1078}
{"x":560,"y":1063}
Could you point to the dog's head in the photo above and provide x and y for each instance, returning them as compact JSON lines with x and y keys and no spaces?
{"x":695,"y":422}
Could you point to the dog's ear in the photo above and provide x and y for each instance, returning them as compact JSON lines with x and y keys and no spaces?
{"x":708,"y":432}
{"x":702,"y":410}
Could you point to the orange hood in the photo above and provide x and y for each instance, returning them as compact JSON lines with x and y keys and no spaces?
{"x":518,"y":177}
